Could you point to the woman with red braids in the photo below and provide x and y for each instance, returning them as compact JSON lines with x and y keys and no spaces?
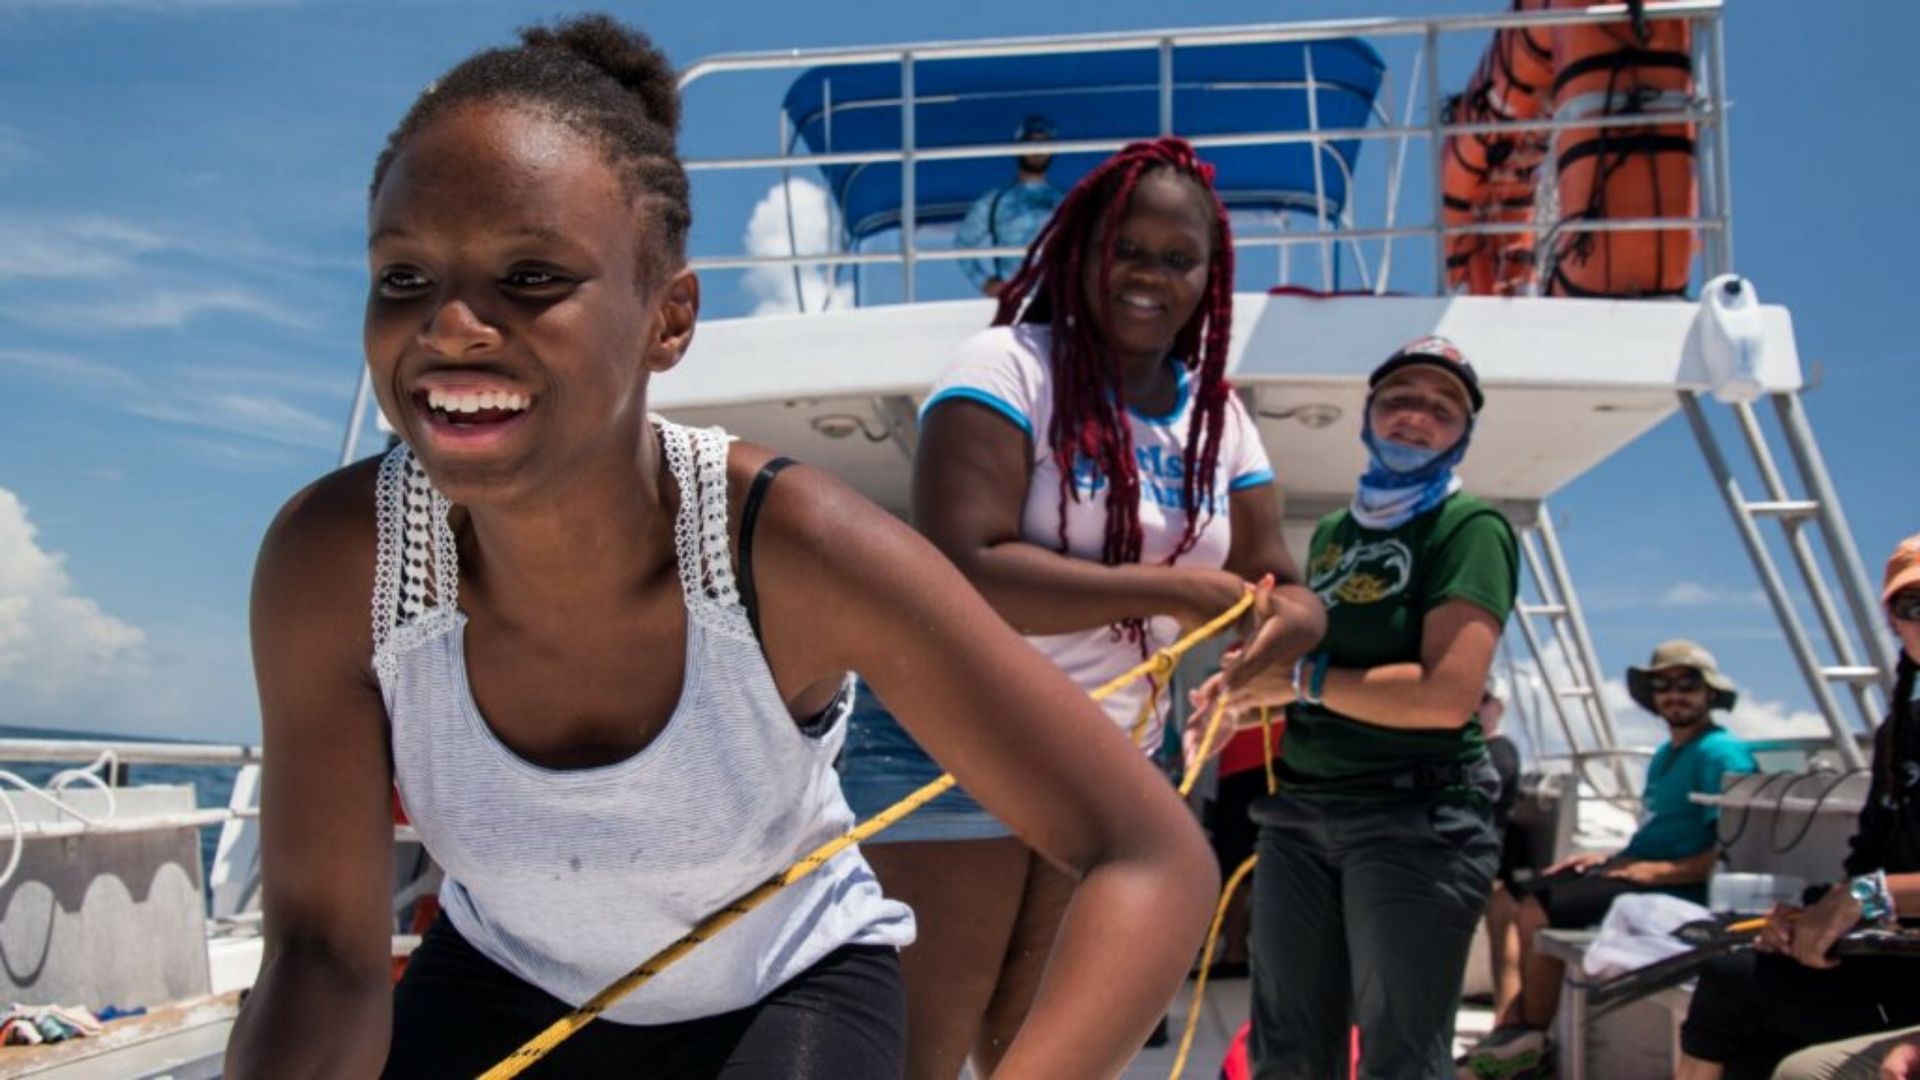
{"x":1087,"y":466}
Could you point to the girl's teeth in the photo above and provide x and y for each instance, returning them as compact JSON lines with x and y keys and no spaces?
{"x":446,"y":402}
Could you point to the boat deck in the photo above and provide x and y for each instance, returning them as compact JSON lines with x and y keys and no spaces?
{"x":1225,"y":1009}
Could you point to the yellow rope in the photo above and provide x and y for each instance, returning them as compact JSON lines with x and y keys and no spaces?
{"x":1226,"y":893}
{"x":1266,"y":748}
{"x":1160,"y":664}
{"x":1206,"y":965}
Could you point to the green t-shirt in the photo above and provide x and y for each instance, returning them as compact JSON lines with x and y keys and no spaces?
{"x":1378,"y":585}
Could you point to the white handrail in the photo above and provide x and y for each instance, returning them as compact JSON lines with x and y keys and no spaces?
{"x":1707,"y":106}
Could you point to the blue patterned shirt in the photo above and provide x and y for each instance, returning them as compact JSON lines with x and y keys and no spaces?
{"x":1007,"y":216}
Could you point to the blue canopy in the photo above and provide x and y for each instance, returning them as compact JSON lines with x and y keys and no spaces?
{"x":1218,"y":89}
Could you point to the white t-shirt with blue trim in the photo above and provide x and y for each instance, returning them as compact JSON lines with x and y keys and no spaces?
{"x":1006,"y":369}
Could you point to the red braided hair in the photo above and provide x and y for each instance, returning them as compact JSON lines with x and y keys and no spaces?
{"x":1089,"y":403}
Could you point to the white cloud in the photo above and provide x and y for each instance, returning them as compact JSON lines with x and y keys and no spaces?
{"x":86,"y":374}
{"x":54,"y":643}
{"x":252,"y":404}
{"x":87,"y":247}
{"x":170,"y":309}
{"x":1693,"y":594}
{"x":774,"y":287}
{"x":255,"y":415}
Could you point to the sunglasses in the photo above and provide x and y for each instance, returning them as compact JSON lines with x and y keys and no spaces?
{"x":1686,"y":684}
{"x":1905,"y":605}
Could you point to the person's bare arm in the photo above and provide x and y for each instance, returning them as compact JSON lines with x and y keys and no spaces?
{"x":321,"y":1006}
{"x":1436,"y":692}
{"x":970,"y":476}
{"x":843,"y":585}
{"x":1440,"y":691}
{"x":1692,"y":870}
{"x":1291,"y":620}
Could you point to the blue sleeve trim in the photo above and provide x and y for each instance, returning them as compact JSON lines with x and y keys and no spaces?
{"x":1252,"y":479}
{"x":992,"y":401}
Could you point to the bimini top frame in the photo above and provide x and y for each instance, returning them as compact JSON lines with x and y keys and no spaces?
{"x":919,"y":164}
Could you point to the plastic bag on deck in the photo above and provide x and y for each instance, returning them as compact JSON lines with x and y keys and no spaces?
{"x":1638,"y":931}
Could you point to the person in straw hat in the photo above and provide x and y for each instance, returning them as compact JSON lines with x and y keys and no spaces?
{"x":1672,"y":851}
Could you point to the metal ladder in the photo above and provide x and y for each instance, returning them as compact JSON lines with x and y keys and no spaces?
{"x":1572,"y":684}
{"x":1863,"y":659}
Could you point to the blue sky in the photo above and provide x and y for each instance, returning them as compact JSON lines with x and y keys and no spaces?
{"x":182,"y":185}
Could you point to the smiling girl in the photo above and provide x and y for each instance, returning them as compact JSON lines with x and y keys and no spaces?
{"x":607,"y":660}
{"x":1086,"y":465}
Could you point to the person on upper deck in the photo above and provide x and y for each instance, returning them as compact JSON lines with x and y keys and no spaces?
{"x":1377,"y":853}
{"x":1011,"y":214}
{"x":1674,"y":849}
{"x":607,"y":662}
{"x":1751,"y":1009}
{"x":1087,"y":465}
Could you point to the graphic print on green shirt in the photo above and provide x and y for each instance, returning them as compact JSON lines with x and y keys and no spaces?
{"x":1378,"y":586}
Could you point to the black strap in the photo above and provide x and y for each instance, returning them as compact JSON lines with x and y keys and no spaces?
{"x":993,"y":218}
{"x":1624,"y":146}
{"x":1559,"y":284}
{"x":1621,"y":60}
{"x":749,"y":513}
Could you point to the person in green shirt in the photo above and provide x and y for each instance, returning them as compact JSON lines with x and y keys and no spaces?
{"x":1378,"y":850}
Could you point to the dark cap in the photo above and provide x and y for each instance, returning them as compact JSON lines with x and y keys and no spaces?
{"x":1034,"y":127}
{"x":1433,"y":351}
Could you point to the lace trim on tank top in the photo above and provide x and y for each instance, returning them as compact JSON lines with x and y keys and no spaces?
{"x":416,"y":581}
{"x":697,"y":458}
{"x":416,"y":585}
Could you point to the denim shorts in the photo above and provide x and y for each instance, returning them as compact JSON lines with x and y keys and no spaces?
{"x":881,"y":765}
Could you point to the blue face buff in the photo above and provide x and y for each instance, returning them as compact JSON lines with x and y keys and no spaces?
{"x":1402,"y":482}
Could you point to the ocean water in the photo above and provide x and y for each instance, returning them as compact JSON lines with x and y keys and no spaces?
{"x":212,"y":784}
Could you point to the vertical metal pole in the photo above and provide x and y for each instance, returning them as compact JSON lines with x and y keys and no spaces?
{"x":1704,"y":167}
{"x":1319,"y":172}
{"x":356,"y":419}
{"x":909,"y":202}
{"x":833,"y":230}
{"x":1353,"y":246}
{"x":1438,"y":149}
{"x":786,"y":198}
{"x":1166,"y":86}
{"x":1843,"y":735}
{"x":1862,"y":600}
{"x":1397,"y":172}
{"x":1722,"y":164}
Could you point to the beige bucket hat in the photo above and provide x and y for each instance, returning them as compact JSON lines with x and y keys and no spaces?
{"x":1681,"y":653}
{"x":1903,"y":568}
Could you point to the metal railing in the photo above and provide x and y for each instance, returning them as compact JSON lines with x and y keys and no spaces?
{"x":1707,"y":109}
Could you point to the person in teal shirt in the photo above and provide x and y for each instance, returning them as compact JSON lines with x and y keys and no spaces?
{"x":1010,"y":215}
{"x":1673,"y":851}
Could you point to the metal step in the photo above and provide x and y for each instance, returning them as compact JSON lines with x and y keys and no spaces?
{"x":1785,"y":509}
